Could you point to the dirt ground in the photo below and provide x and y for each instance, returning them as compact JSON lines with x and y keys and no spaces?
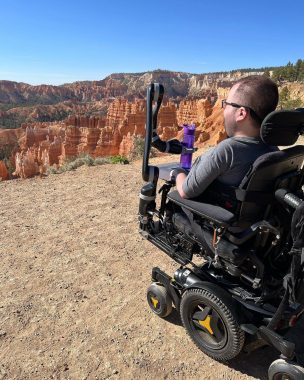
{"x":73,"y":279}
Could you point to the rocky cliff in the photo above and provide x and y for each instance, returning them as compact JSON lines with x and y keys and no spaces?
{"x":130,"y":86}
{"x":3,"y":171}
{"x":103,"y":118}
{"x":40,"y":145}
{"x":20,"y":102}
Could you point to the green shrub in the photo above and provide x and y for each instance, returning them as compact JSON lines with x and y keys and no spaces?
{"x":139,"y":149}
{"x":119,"y":160}
{"x":52,"y":170}
{"x":85,"y":159}
{"x":102,"y":161}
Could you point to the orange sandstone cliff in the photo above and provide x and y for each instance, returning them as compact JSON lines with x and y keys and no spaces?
{"x":40,"y":145}
{"x":3,"y":171}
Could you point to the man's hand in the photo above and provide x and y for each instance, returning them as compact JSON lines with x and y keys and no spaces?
{"x":175,"y":172}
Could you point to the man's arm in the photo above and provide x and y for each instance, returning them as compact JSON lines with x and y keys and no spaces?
{"x":204,"y":171}
{"x":179,"y":184}
{"x":178,"y":175}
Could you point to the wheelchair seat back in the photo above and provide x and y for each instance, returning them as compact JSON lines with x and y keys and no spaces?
{"x":254,"y":198}
{"x":255,"y":195}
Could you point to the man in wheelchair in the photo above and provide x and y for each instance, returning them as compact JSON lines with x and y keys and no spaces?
{"x":249,"y":101}
{"x":236,"y":211}
{"x":223,"y":167}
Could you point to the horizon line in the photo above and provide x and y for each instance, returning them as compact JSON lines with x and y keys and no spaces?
{"x":248,"y":69}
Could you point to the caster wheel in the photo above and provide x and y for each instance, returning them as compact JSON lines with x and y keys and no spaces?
{"x":211,"y":325}
{"x":282,"y":370}
{"x":159,"y":300}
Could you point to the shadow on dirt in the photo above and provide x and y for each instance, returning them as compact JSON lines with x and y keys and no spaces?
{"x":256,"y":363}
{"x":253,"y":364}
{"x":174,"y":318}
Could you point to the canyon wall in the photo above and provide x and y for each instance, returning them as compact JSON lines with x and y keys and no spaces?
{"x":40,"y":145}
{"x":104,"y":118}
{"x":128,"y":85}
{"x":3,"y":171}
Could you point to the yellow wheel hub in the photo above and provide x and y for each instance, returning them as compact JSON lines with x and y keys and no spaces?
{"x":206,"y":324}
{"x":155,"y":302}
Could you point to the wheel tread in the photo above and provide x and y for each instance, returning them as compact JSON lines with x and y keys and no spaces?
{"x":238,"y":334}
{"x":166,"y":299}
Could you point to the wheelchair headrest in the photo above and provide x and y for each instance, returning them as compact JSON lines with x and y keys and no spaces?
{"x":283,"y":127}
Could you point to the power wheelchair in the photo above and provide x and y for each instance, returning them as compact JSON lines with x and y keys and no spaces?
{"x":241,"y":277}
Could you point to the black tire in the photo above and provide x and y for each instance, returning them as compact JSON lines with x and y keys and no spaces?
{"x":159,"y":300}
{"x":211,"y":325}
{"x":282,"y":370}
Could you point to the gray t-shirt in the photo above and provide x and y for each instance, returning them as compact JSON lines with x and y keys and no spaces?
{"x":228,"y":162}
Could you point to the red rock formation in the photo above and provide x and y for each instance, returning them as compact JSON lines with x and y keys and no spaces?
{"x":71,"y":142}
{"x":55,"y":151}
{"x":44,"y":144}
{"x":193,"y":111}
{"x":127,"y":144}
{"x":10,"y":136}
{"x":124,"y":120}
{"x":126,"y":116}
{"x":85,"y":121}
{"x":44,"y":162}
{"x":34,"y":136}
{"x":214,"y":125}
{"x":26,"y":165}
{"x":134,"y":119}
{"x":167,"y":121}
{"x":108,"y":143}
{"x":176,"y":84}
{"x":81,"y":136}
{"x":88,"y":140}
{"x":3,"y":172}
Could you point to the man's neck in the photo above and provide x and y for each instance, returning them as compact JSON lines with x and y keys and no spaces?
{"x":247,"y":130}
{"x":247,"y":134}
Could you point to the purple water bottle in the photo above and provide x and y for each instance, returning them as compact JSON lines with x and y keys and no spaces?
{"x":187,"y":143}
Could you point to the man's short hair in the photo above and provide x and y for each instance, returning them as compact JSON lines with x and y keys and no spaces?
{"x":259,"y":93}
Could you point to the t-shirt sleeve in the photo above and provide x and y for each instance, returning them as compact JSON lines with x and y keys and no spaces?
{"x":206,"y":169}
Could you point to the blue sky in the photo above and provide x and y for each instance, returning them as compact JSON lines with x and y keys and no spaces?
{"x":60,"y":41}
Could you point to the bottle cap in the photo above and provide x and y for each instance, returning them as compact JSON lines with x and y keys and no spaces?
{"x":189,"y":129}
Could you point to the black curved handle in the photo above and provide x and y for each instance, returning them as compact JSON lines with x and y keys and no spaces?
{"x":155,"y":93}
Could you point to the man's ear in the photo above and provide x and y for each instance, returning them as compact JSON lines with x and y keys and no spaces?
{"x":241,"y":114}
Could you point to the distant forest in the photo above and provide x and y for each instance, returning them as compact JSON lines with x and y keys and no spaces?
{"x":291,"y":72}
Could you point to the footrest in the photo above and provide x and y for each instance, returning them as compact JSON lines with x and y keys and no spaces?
{"x":277,"y":341}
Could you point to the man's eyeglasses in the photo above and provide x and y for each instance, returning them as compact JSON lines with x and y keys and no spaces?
{"x":252,"y":112}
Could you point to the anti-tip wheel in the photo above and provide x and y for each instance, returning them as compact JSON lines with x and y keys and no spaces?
{"x":211,"y":324}
{"x":159,"y":300}
{"x":282,"y":370}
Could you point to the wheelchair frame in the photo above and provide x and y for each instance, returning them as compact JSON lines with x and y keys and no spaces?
{"x":253,"y":319}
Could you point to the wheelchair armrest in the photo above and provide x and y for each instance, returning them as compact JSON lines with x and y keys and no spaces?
{"x":218,"y":215}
